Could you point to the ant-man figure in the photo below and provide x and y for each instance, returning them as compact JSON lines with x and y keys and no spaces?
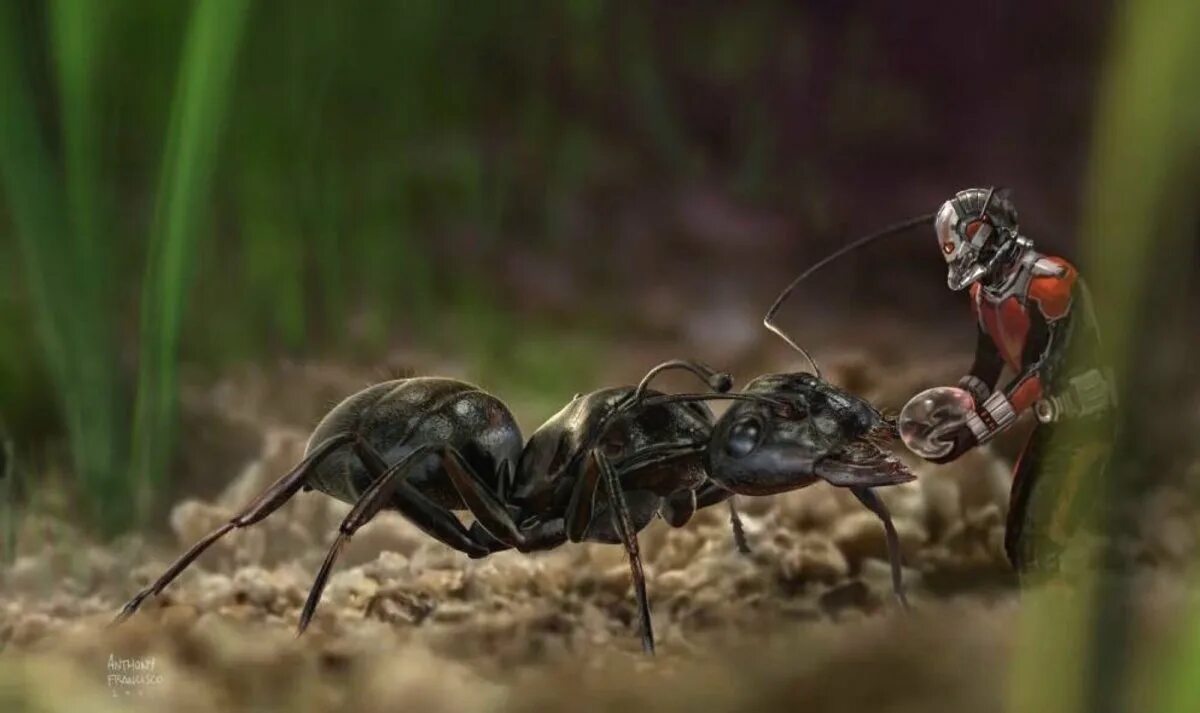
{"x":1034,"y":316}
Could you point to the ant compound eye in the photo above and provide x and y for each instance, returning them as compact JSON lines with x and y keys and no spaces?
{"x":744,"y":437}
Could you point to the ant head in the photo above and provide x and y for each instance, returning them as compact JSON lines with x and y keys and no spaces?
{"x":803,"y":429}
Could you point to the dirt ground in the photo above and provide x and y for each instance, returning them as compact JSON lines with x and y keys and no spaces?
{"x":803,"y":622}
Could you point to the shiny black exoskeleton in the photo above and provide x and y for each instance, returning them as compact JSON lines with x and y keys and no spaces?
{"x":599,"y":470}
{"x":803,"y":430}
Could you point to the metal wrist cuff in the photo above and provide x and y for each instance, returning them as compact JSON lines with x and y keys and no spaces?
{"x":1000,"y":409}
{"x":993,"y":416}
{"x":976,"y":387}
{"x":977,"y":427}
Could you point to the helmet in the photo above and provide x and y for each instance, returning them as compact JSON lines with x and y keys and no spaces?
{"x":975,"y":230}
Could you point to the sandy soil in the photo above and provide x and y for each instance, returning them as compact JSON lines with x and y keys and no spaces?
{"x":805,"y":620}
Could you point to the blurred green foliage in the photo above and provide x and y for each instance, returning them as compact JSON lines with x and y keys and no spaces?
{"x":209,"y":50}
{"x":1076,"y":651}
{"x":176,"y":190}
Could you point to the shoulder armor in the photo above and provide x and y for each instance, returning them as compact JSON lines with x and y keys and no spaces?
{"x":1045,"y":267}
{"x":1052,"y":286}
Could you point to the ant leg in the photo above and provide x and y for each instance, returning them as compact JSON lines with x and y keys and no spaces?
{"x":266,"y":503}
{"x":485,"y":505}
{"x":710,"y":494}
{"x":678,"y":508}
{"x":739,"y":530}
{"x":624,"y":527}
{"x":428,"y":516}
{"x":867,"y":497}
{"x":583,"y":502}
{"x":372,"y":500}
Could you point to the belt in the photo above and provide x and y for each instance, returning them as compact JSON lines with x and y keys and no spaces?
{"x":1086,"y":394}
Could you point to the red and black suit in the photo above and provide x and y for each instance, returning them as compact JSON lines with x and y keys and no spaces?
{"x":1037,"y":321}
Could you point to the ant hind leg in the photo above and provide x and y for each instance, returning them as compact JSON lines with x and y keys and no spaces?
{"x":266,"y":503}
{"x":379,"y":493}
{"x":487,"y":507}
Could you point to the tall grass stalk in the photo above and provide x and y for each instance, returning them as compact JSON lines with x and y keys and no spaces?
{"x":63,"y":269}
{"x":1073,"y":652}
{"x":205,"y":77}
{"x":78,"y":31}
{"x":8,"y":500}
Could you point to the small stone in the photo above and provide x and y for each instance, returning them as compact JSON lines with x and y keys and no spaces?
{"x":815,"y":558}
{"x":451,"y":612}
{"x":877,"y":574}
{"x":30,"y":628}
{"x":942,"y":508}
{"x":253,"y":585}
{"x":851,"y":595}
{"x":178,"y":617}
{"x":351,"y":588}
{"x":983,"y":479}
{"x":862,"y":535}
{"x":389,"y":566}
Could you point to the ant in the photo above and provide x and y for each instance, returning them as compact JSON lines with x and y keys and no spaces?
{"x":429,"y":446}
{"x":452,"y":447}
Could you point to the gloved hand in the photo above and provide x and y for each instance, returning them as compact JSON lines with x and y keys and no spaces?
{"x":963,"y":440}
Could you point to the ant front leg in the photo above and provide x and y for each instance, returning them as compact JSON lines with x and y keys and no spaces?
{"x":710,"y":494}
{"x":867,"y":497}
{"x":739,"y":530}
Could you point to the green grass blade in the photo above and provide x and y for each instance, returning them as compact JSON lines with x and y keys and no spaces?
{"x":35,"y":202}
{"x":205,"y":76}
{"x":77,"y":36}
{"x":65,"y":308}
{"x":8,"y":500}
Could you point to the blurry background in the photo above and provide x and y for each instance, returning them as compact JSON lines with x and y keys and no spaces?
{"x":519,"y":186}
{"x":219,"y":217}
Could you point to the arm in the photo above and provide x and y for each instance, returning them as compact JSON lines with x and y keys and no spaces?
{"x":985,"y":370}
{"x":979,"y":382}
{"x":1051,"y":295}
{"x":1050,"y":299}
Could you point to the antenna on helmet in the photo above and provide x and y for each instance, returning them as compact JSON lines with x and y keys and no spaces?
{"x":768,"y":321}
{"x":987,"y":202}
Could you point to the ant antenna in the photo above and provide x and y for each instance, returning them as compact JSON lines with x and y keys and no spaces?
{"x":718,"y":381}
{"x":686,"y":398}
{"x":768,"y":321}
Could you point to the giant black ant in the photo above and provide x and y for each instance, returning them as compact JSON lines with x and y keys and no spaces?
{"x":429,"y":446}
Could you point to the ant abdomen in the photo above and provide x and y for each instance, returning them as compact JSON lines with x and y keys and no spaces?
{"x":397,"y":417}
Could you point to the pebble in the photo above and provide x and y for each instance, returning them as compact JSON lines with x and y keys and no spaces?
{"x":861,"y":534}
{"x":29,"y":629}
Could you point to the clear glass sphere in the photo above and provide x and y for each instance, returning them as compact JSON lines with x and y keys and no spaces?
{"x":929,"y":419}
